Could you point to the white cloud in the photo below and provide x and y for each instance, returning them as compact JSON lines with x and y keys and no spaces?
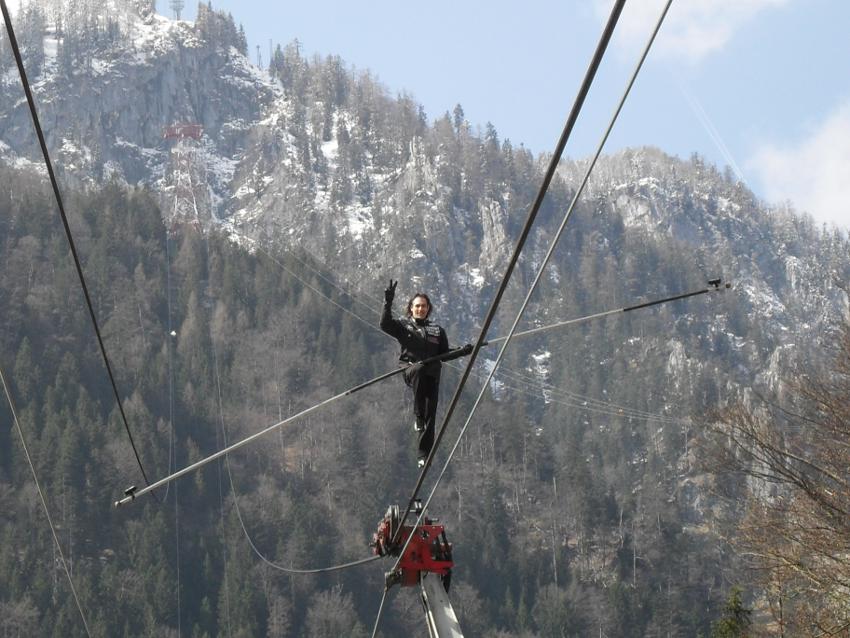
{"x":815,"y":174}
{"x":692,"y":28}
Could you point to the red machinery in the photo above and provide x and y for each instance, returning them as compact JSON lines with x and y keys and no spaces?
{"x":428,"y":551}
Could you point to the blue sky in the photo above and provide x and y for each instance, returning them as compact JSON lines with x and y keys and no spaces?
{"x":760,"y":85}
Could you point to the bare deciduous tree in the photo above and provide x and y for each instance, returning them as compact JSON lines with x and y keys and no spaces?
{"x":793,"y":454}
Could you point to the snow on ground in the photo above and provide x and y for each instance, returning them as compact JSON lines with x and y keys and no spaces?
{"x":51,"y":50}
{"x":496,"y":386}
{"x":541,"y":362}
{"x":766,"y":304}
{"x":330,"y":150}
{"x":468,"y":277}
{"x":359,"y":219}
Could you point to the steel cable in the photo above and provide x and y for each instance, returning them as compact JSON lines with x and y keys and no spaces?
{"x":550,"y":173}
{"x":584,"y":89}
{"x":58,"y":195}
{"x":542,"y":267}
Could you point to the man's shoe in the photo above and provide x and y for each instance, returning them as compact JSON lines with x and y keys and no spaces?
{"x":418,"y":426}
{"x":420,"y":463}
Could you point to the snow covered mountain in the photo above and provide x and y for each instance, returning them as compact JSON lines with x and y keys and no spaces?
{"x":314,"y":156}
{"x":319,"y":161}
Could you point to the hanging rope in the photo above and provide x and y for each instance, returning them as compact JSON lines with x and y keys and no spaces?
{"x":58,"y":195}
{"x":259,"y":554}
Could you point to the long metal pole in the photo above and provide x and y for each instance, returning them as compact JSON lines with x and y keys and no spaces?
{"x":132,"y":494}
{"x":714,"y":286}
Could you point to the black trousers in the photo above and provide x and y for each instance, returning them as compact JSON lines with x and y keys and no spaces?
{"x":425,"y":383}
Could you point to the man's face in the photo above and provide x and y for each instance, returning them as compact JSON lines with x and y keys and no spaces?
{"x":419,"y":308}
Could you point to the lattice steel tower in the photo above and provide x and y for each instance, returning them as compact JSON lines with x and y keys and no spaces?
{"x":186,"y":195}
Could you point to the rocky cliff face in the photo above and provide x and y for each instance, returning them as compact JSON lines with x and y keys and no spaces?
{"x":312,"y":156}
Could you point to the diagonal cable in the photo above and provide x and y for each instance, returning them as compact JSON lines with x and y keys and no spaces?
{"x":542,"y":267}
{"x":532,"y":215}
{"x":43,"y":500}
{"x":55,"y":184}
{"x":260,"y":555}
{"x":550,"y":173}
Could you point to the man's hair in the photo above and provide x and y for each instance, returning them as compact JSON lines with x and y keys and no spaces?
{"x":425,"y":297}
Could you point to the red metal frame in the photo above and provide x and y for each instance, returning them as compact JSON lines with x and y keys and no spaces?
{"x":183,"y":131}
{"x":428,"y":550}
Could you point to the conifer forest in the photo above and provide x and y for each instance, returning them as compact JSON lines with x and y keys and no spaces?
{"x":679,"y":470}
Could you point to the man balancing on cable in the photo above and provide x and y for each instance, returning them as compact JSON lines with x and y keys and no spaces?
{"x":420,"y":339}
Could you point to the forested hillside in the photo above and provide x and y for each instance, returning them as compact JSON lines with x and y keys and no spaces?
{"x":601,"y":488}
{"x":572,"y":506}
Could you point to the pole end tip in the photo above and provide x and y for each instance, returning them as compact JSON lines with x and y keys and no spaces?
{"x":129,"y":495}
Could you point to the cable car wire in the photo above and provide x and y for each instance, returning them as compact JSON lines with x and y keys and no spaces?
{"x":43,"y":499}
{"x":540,"y":271}
{"x":58,"y":195}
{"x":532,"y":214}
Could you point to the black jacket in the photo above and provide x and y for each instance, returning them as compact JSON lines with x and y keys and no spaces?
{"x":419,"y":338}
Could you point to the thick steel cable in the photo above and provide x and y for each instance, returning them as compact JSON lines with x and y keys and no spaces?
{"x":58,"y":195}
{"x":542,"y":267}
{"x":553,"y":165}
{"x":532,"y":215}
{"x":43,"y":500}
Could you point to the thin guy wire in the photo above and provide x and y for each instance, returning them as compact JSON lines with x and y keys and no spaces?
{"x":168,"y":345}
{"x":616,"y":409}
{"x":323,"y":277}
{"x":172,"y":452}
{"x":259,"y":554}
{"x":43,"y":500}
{"x":58,"y":195}
{"x":539,"y":274}
{"x":218,"y":465}
{"x":318,"y":292}
{"x":224,"y":553}
{"x":380,"y":612}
